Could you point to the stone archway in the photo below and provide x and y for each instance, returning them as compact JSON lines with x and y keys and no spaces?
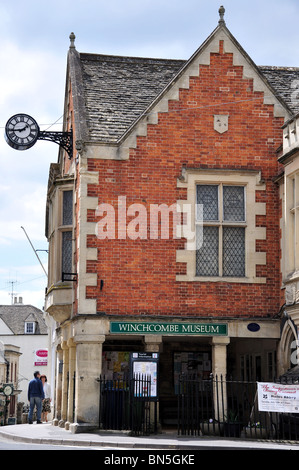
{"x":286,"y":346}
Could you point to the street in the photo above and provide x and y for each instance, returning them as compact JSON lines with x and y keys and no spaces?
{"x":132,"y":458}
{"x":11,"y":445}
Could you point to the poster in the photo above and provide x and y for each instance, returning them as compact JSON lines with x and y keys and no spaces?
{"x":115,"y":365}
{"x":196,"y":363}
{"x":147,"y":368}
{"x":282,"y":398}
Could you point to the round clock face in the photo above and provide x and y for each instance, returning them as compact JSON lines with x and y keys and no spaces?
{"x":21,"y":131}
{"x":7,"y":390}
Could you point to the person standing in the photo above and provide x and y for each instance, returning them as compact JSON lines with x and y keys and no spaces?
{"x":35,"y":397}
{"x":46,"y":407}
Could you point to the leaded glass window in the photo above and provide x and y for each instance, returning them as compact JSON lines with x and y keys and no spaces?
{"x":233,"y":203}
{"x":67,"y":251}
{"x":207,"y":254}
{"x":67,"y":208}
{"x":207,"y":195}
{"x":220,"y":234}
{"x":234,"y":251}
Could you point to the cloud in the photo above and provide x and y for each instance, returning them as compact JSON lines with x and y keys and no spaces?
{"x":27,"y":281}
{"x":31,"y":76}
{"x":29,"y":297}
{"x":25,"y":208}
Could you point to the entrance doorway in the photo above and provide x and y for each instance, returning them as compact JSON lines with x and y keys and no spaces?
{"x":187,"y":357}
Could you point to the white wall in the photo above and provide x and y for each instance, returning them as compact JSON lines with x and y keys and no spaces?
{"x":28,"y":344}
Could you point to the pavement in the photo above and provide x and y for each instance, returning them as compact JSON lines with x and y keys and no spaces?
{"x":46,"y":433}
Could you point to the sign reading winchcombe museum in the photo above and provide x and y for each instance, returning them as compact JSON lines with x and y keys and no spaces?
{"x":209,"y":329}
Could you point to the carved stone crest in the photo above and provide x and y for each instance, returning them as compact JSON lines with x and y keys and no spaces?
{"x":221,"y":123}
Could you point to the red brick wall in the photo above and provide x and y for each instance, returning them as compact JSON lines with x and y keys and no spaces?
{"x":140,"y":276}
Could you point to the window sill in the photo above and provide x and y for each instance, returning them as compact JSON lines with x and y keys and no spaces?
{"x":238,"y":280}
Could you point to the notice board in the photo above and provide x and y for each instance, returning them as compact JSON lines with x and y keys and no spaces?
{"x":282,"y":398}
{"x":146,"y":365}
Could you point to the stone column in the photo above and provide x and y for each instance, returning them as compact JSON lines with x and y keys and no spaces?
{"x":152,"y":343}
{"x":64,"y":393}
{"x":219,"y":368}
{"x":88,"y":371}
{"x":72,"y":365}
{"x":58,"y":387}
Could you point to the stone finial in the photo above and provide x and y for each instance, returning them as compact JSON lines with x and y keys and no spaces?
{"x":221,"y":14}
{"x":72,"y":39}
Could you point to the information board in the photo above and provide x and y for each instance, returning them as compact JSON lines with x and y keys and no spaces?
{"x":146,"y":365}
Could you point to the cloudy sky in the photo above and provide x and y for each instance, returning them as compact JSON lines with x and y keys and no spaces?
{"x":34,"y":40}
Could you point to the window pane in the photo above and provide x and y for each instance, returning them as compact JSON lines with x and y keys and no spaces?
{"x":29,"y":328}
{"x":67,"y":210}
{"x":207,"y":251}
{"x":233,"y":203}
{"x":207,"y":195}
{"x":67,"y":252}
{"x":234,"y":251}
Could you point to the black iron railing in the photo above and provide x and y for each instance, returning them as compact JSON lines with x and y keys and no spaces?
{"x":229,"y":408}
{"x":125,"y":405}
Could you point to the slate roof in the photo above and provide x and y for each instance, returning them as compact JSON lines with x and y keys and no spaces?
{"x":285,"y":81}
{"x":117,"y":90}
{"x":14,"y":316}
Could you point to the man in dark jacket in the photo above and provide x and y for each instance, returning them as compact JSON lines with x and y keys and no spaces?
{"x":35,"y":397}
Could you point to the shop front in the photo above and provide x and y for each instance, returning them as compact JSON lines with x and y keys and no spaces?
{"x":236,"y":348}
{"x":95,"y":359}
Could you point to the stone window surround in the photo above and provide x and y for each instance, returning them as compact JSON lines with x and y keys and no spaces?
{"x":221,"y":223}
{"x":251,"y":179}
{"x":291,"y":203}
{"x":56,"y":229}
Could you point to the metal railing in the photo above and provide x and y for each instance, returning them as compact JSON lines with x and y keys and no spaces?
{"x":229,"y":408}
{"x":125,"y":405}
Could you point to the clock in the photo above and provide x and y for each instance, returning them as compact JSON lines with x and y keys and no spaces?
{"x":21,"y":131}
{"x":7,"y":390}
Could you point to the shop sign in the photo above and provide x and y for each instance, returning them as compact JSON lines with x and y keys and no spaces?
{"x":151,"y":328}
{"x":283,"y":398}
{"x":41,"y":357}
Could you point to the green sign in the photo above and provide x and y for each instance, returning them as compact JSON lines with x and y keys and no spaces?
{"x":208,"y":329}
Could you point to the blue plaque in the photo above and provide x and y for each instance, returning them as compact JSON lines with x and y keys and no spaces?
{"x":253,"y":327}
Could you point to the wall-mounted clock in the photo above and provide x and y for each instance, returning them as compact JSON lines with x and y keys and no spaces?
{"x":7,"y":390}
{"x":21,"y":131}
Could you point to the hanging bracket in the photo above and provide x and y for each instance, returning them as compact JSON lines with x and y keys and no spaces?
{"x":63,"y":139}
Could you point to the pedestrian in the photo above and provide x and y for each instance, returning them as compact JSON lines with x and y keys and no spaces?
{"x":35,"y":397}
{"x":46,"y":407}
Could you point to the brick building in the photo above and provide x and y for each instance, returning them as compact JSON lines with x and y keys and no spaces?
{"x":164,"y":224}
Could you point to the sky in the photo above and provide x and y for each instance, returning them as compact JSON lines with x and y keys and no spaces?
{"x":34,"y":41}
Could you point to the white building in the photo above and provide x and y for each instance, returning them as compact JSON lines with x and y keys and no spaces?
{"x":24,"y":326}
